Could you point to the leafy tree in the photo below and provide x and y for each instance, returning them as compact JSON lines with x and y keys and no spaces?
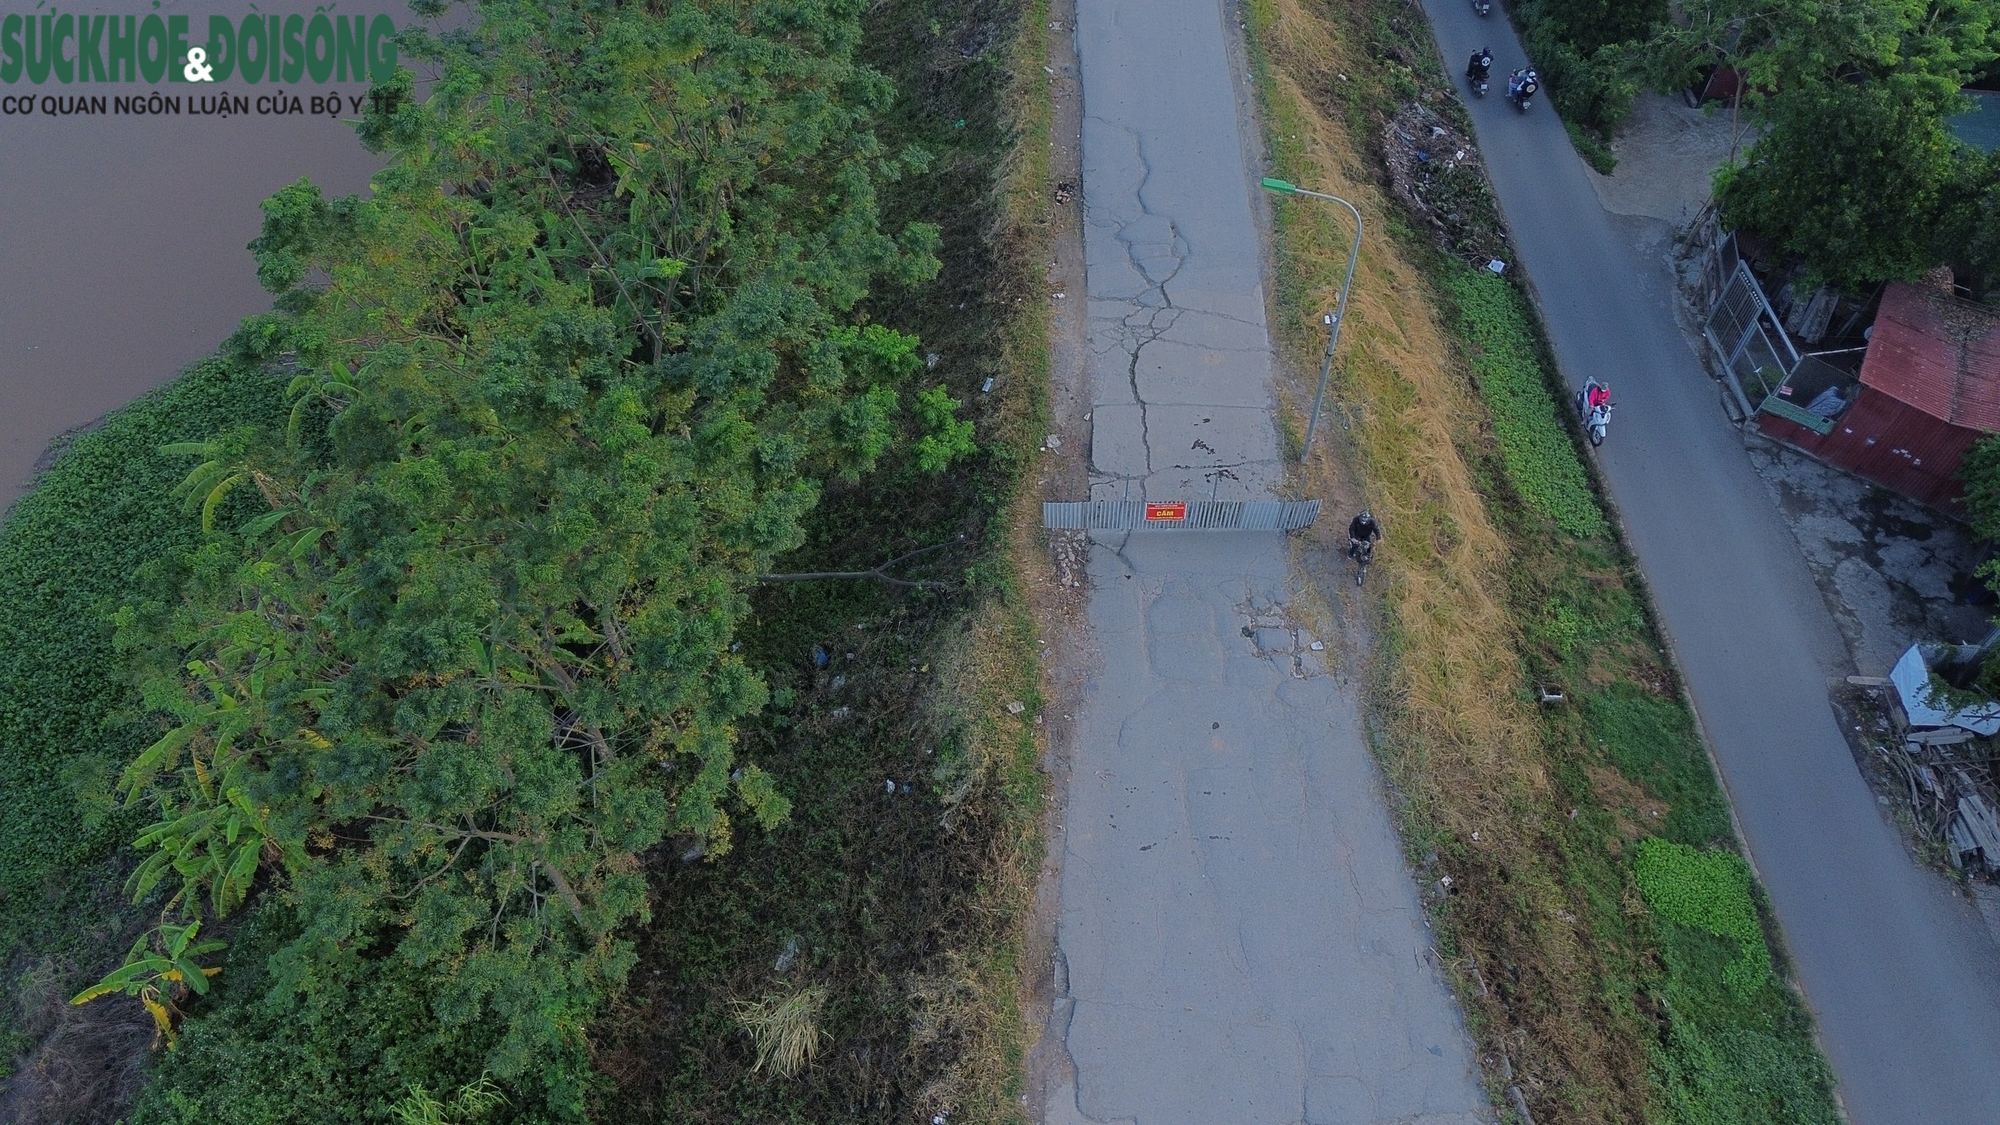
{"x":1855,"y":169}
{"x":1577,"y":45}
{"x":564,"y":385}
{"x":1852,"y":177}
{"x":1972,"y":226}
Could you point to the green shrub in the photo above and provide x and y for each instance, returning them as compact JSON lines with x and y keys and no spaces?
{"x":1576,"y":44}
{"x":1541,"y":460}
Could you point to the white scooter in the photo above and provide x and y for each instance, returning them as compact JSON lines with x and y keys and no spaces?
{"x":1596,"y":419}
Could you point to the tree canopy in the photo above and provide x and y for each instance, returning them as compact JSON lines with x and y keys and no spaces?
{"x":1854,"y":171}
{"x":562,"y":387}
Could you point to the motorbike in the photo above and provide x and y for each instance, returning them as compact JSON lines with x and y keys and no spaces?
{"x":1596,"y":419}
{"x":1477,"y":75}
{"x":1482,"y":7}
{"x":1521,"y":89}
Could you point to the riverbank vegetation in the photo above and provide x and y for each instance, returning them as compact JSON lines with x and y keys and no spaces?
{"x":455,"y":700}
{"x":1607,"y":942}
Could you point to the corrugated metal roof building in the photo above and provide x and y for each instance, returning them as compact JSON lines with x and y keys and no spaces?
{"x":1930,"y":388}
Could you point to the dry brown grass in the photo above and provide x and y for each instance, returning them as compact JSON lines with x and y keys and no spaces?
{"x":1465,"y":748}
{"x":1459,"y":677}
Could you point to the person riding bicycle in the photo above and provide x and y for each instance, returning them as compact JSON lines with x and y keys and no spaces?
{"x":1362,"y":530}
{"x":1481,"y":65}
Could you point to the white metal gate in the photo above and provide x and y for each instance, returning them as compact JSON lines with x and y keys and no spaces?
{"x":1195,"y":515}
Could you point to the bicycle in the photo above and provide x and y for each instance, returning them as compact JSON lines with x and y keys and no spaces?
{"x":1362,"y":551}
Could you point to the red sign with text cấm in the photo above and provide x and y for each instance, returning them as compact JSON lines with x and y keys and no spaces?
{"x":1166,"y":513}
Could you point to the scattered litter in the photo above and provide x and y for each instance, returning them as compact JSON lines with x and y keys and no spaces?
{"x":1065,"y":191}
{"x":889,"y":786}
{"x":1497,"y":266}
{"x":788,"y":957}
{"x":1052,"y":442}
{"x":1060,"y":296}
{"x":1343,"y":78}
{"x":986,"y":388}
{"x":1319,"y":646}
{"x":931,"y":360}
{"x":838,"y":683}
{"x":1015,"y":707}
{"x":819,"y":656}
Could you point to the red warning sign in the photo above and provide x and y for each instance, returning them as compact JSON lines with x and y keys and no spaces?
{"x":1166,"y":513}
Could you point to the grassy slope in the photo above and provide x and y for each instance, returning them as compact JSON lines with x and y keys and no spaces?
{"x":903,"y":906}
{"x":93,"y":532}
{"x":1502,"y":578}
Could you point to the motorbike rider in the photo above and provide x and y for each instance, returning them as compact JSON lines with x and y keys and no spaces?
{"x":1599,"y":395}
{"x":1362,"y":529}
{"x":1523,"y":83}
{"x":1481,"y":66}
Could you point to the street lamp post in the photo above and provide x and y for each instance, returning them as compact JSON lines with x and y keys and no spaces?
{"x":1339,"y":314}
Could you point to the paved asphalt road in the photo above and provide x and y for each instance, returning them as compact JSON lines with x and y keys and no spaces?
{"x":1239,"y":941}
{"x":1898,"y":969}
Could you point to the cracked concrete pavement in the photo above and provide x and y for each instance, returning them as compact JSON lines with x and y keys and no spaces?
{"x":1239,"y":939}
{"x":1180,"y":353}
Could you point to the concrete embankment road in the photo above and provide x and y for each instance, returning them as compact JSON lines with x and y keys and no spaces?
{"x":1904,"y":979}
{"x":1239,"y":938}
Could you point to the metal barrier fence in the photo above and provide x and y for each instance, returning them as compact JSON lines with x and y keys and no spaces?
{"x":1194,"y":515}
{"x":1756,"y":353}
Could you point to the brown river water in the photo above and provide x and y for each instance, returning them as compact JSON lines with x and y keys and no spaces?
{"x":123,"y":238}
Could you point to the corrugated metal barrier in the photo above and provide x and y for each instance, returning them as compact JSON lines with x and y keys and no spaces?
{"x":1193,"y":515}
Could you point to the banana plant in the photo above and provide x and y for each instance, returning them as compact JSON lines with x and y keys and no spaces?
{"x":160,"y":974}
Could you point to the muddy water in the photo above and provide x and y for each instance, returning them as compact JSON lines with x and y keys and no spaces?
{"x":122,"y":238}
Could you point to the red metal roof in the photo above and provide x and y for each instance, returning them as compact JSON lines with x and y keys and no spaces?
{"x":1938,"y":354}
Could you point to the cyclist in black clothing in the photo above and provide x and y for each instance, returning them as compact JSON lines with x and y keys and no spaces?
{"x":1362,"y":529}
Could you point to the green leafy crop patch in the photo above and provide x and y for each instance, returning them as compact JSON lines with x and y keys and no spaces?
{"x":1708,"y":890}
{"x":1741,"y":1052}
{"x":1540,"y":459}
